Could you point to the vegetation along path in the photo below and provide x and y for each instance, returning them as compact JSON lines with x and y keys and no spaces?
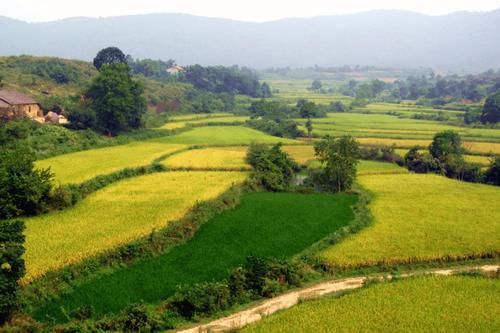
{"x":286,"y":301}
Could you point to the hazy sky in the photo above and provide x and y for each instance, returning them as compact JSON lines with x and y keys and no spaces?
{"x":248,"y":10}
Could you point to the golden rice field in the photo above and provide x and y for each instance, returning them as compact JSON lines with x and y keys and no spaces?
{"x":378,"y":168}
{"x":230,"y":158}
{"x":422,"y":217}
{"x":116,"y":215}
{"x":81,"y":166}
{"x":424,"y":304}
{"x":475,"y":147}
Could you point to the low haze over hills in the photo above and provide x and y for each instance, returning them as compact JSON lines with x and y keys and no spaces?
{"x":460,"y":41}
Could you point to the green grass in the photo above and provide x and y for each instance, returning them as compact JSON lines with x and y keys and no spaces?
{"x":426,"y":304}
{"x":82,"y":166}
{"x":118,"y":214}
{"x":420,"y":218}
{"x":223,"y":135}
{"x":265,"y":224}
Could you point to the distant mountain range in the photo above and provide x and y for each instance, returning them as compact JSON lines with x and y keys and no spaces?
{"x":461,"y":41}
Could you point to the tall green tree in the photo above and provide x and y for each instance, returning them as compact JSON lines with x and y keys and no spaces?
{"x":493,"y":172}
{"x":316,"y":85}
{"x":11,"y":265}
{"x":116,"y":99}
{"x":309,"y":126}
{"x":491,"y":109}
{"x":446,"y":144}
{"x":109,"y":55}
{"x":339,"y":158}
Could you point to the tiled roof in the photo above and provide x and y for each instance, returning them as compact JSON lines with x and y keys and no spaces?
{"x":15,"y":98}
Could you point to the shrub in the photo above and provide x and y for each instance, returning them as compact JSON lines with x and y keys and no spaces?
{"x":421,"y":163}
{"x":11,"y":265}
{"x":201,"y":299}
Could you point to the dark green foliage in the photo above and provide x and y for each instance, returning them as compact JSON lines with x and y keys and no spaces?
{"x":383,"y":153}
{"x":108,"y":56}
{"x":204,"y":298}
{"x":207,"y":102}
{"x":422,"y":163}
{"x":23,"y":189}
{"x":116,"y":99}
{"x":493,"y":173}
{"x":309,"y":127}
{"x":491,"y":110}
{"x":316,"y":85}
{"x":219,"y":79}
{"x":311,"y":110}
{"x":445,"y":144}
{"x":283,"y":128}
{"x":296,"y":221}
{"x":156,"y":69}
{"x":82,"y":117}
{"x":338,"y":107}
{"x":11,"y":265}
{"x":273,"y":168}
{"x":340,"y":158}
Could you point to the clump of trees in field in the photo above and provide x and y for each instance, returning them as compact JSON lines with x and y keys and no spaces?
{"x":233,"y":80}
{"x":273,"y":169}
{"x":446,"y":156}
{"x":339,"y":158}
{"x":491,"y":110}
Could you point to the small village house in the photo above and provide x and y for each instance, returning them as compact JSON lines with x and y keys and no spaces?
{"x":15,"y":105}
{"x":175,"y":70}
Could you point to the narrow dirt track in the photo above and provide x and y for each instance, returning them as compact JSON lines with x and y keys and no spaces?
{"x":288,"y":300}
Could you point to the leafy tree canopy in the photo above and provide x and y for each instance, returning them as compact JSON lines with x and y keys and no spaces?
{"x":109,"y":55}
{"x":491,"y":110}
{"x":446,"y":143}
{"x":116,"y":99}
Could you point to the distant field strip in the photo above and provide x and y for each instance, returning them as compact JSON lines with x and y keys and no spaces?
{"x":82,"y":166}
{"x":230,"y":158}
{"x":208,"y":120}
{"x":474,"y":147}
{"x":377,"y":168}
{"x":117,"y":214}
{"x":387,"y":126}
{"x":264,"y":224}
{"x":223,"y":135}
{"x":422,"y":217}
{"x":424,"y":304}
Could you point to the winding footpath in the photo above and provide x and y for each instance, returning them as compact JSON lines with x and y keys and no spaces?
{"x":288,"y":300}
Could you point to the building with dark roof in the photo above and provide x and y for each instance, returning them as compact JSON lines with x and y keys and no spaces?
{"x":15,"y":105}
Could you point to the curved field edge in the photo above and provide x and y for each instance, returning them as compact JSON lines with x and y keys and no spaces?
{"x":294,"y":220}
{"x":116,"y":215}
{"x":417,"y":304}
{"x":430,"y":218}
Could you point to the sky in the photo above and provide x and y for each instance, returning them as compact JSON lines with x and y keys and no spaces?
{"x":245,"y":10}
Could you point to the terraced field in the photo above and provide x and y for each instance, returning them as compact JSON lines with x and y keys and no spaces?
{"x":425,"y":304}
{"x":487,"y":148}
{"x":421,"y":218}
{"x":173,"y":124}
{"x":229,"y":158}
{"x":117,"y":214}
{"x":82,"y":166}
{"x":264,"y":224}
{"x":386,"y":126}
{"x":223,"y":135}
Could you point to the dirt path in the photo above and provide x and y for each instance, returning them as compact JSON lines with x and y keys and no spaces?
{"x":256,"y":313}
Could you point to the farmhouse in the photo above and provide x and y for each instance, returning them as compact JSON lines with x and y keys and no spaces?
{"x":14,"y":105}
{"x":175,"y":70}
